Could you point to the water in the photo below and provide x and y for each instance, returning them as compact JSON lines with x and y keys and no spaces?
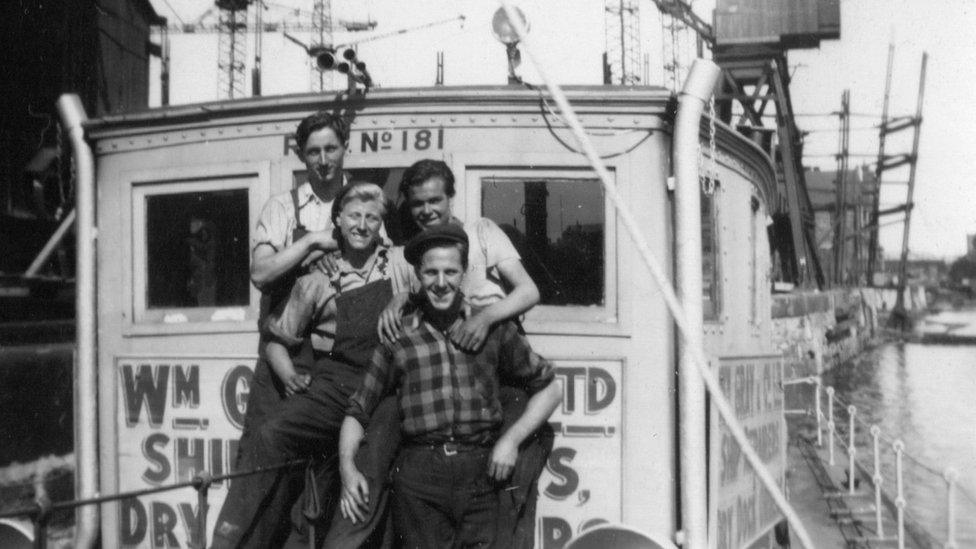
{"x":924,"y":395}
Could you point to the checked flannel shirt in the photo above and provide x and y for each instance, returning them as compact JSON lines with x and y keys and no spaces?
{"x":445,"y":393}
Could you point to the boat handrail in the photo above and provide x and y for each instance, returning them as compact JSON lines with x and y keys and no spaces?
{"x":847,"y":434}
{"x":40,"y":512}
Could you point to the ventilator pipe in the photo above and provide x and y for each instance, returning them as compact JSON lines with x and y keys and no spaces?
{"x":86,"y":375}
{"x":693,"y":439}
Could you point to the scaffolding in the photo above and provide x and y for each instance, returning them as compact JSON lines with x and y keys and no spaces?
{"x":623,"y":49}
{"x":232,"y":47}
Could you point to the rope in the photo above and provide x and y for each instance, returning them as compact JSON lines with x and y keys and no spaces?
{"x":667,"y":292}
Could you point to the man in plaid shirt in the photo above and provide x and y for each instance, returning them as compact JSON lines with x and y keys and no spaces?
{"x":454,"y":457}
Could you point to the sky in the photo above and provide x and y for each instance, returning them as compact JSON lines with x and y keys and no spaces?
{"x":569,"y":35}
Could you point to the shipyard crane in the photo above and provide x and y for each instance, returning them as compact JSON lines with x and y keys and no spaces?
{"x":229,"y":20}
{"x":755,"y":77}
{"x":622,"y":64}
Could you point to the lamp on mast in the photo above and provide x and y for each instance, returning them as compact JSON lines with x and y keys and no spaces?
{"x":505,"y":33}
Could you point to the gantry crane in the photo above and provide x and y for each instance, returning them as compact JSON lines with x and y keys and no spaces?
{"x":754,"y":77}
{"x":229,"y":20}
{"x":623,"y":51}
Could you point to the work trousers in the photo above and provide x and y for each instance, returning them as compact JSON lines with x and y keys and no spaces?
{"x":265,"y":393}
{"x":302,"y":425}
{"x":516,"y":500}
{"x":444,"y":498}
{"x":379,"y":448}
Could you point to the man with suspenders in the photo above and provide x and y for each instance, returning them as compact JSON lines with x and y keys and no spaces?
{"x":294,"y":229}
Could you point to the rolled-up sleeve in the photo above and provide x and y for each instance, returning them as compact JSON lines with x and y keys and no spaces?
{"x":273,"y":226}
{"x":379,"y":379}
{"x":308,"y":298}
{"x":403,"y":274}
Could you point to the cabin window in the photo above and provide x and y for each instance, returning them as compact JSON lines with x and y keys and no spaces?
{"x":197,"y":249}
{"x":710,"y":274}
{"x":557,"y":225}
{"x":562,"y":227}
{"x":191,"y":250}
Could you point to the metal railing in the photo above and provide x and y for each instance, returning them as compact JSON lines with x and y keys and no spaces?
{"x":40,"y":513}
{"x":874,"y":442}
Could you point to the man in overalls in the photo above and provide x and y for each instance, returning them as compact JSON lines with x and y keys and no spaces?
{"x":293,"y":229}
{"x":336,"y":314}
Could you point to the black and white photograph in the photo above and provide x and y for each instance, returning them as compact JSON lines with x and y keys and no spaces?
{"x":553,"y":274}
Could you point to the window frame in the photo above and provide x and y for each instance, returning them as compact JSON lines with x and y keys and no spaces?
{"x":252,"y":177}
{"x":593,"y":320}
{"x":718,"y":280}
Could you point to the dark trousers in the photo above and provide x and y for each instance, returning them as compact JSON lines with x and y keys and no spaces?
{"x":302,"y":425}
{"x":516,"y":501}
{"x":442,"y":500}
{"x":374,"y":460}
{"x":518,"y":497}
{"x":265,"y":394}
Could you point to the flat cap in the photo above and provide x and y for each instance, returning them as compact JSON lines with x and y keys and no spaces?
{"x":449,"y":233}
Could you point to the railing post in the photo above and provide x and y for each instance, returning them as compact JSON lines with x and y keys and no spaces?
{"x":950,"y":476}
{"x":817,"y":410}
{"x":41,"y":517}
{"x":202,"y":484}
{"x":900,"y":503}
{"x":851,"y":449}
{"x":877,"y":479}
{"x":830,"y":424}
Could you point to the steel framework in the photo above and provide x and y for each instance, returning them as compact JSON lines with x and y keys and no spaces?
{"x":231,"y":47}
{"x":622,"y":26}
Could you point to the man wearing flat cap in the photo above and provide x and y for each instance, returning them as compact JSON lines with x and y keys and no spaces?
{"x":454,"y":457}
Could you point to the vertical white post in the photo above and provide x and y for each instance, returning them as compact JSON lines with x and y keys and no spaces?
{"x":877,"y":479}
{"x":851,"y":449}
{"x":830,"y":424}
{"x":899,"y":447}
{"x":950,"y":476}
{"x":817,"y":410}
{"x":86,"y":359}
{"x":692,"y":436}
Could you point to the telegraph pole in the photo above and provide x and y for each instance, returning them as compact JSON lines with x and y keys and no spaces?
{"x":898,"y":314}
{"x":879,"y":168}
{"x":840,"y":240}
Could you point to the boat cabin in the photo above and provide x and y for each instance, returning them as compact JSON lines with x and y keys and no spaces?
{"x":179,"y":190}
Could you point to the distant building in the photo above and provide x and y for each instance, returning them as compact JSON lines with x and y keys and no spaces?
{"x":930,"y":273}
{"x":860,"y":185}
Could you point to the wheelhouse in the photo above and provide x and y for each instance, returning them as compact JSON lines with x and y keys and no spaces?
{"x":178,"y":194}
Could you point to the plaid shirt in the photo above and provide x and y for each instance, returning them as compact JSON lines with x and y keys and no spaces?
{"x":445,"y":393}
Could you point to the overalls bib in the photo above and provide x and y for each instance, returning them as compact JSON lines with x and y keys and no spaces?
{"x":357,"y":312}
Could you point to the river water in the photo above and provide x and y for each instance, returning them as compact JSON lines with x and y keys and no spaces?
{"x":924,"y":395}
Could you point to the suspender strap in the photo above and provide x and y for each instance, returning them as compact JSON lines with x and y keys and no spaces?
{"x":294,"y":203}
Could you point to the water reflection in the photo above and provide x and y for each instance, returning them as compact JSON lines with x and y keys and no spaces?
{"x":923,"y":395}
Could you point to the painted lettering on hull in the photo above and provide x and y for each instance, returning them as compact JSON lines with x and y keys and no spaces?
{"x":581,"y":486}
{"x":177,"y":418}
{"x":402,"y":140}
{"x":743,"y":510}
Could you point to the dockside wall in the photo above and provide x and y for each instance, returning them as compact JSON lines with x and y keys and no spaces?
{"x":818,"y":330}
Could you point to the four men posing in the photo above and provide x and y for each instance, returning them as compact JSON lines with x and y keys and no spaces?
{"x":361,"y":325}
